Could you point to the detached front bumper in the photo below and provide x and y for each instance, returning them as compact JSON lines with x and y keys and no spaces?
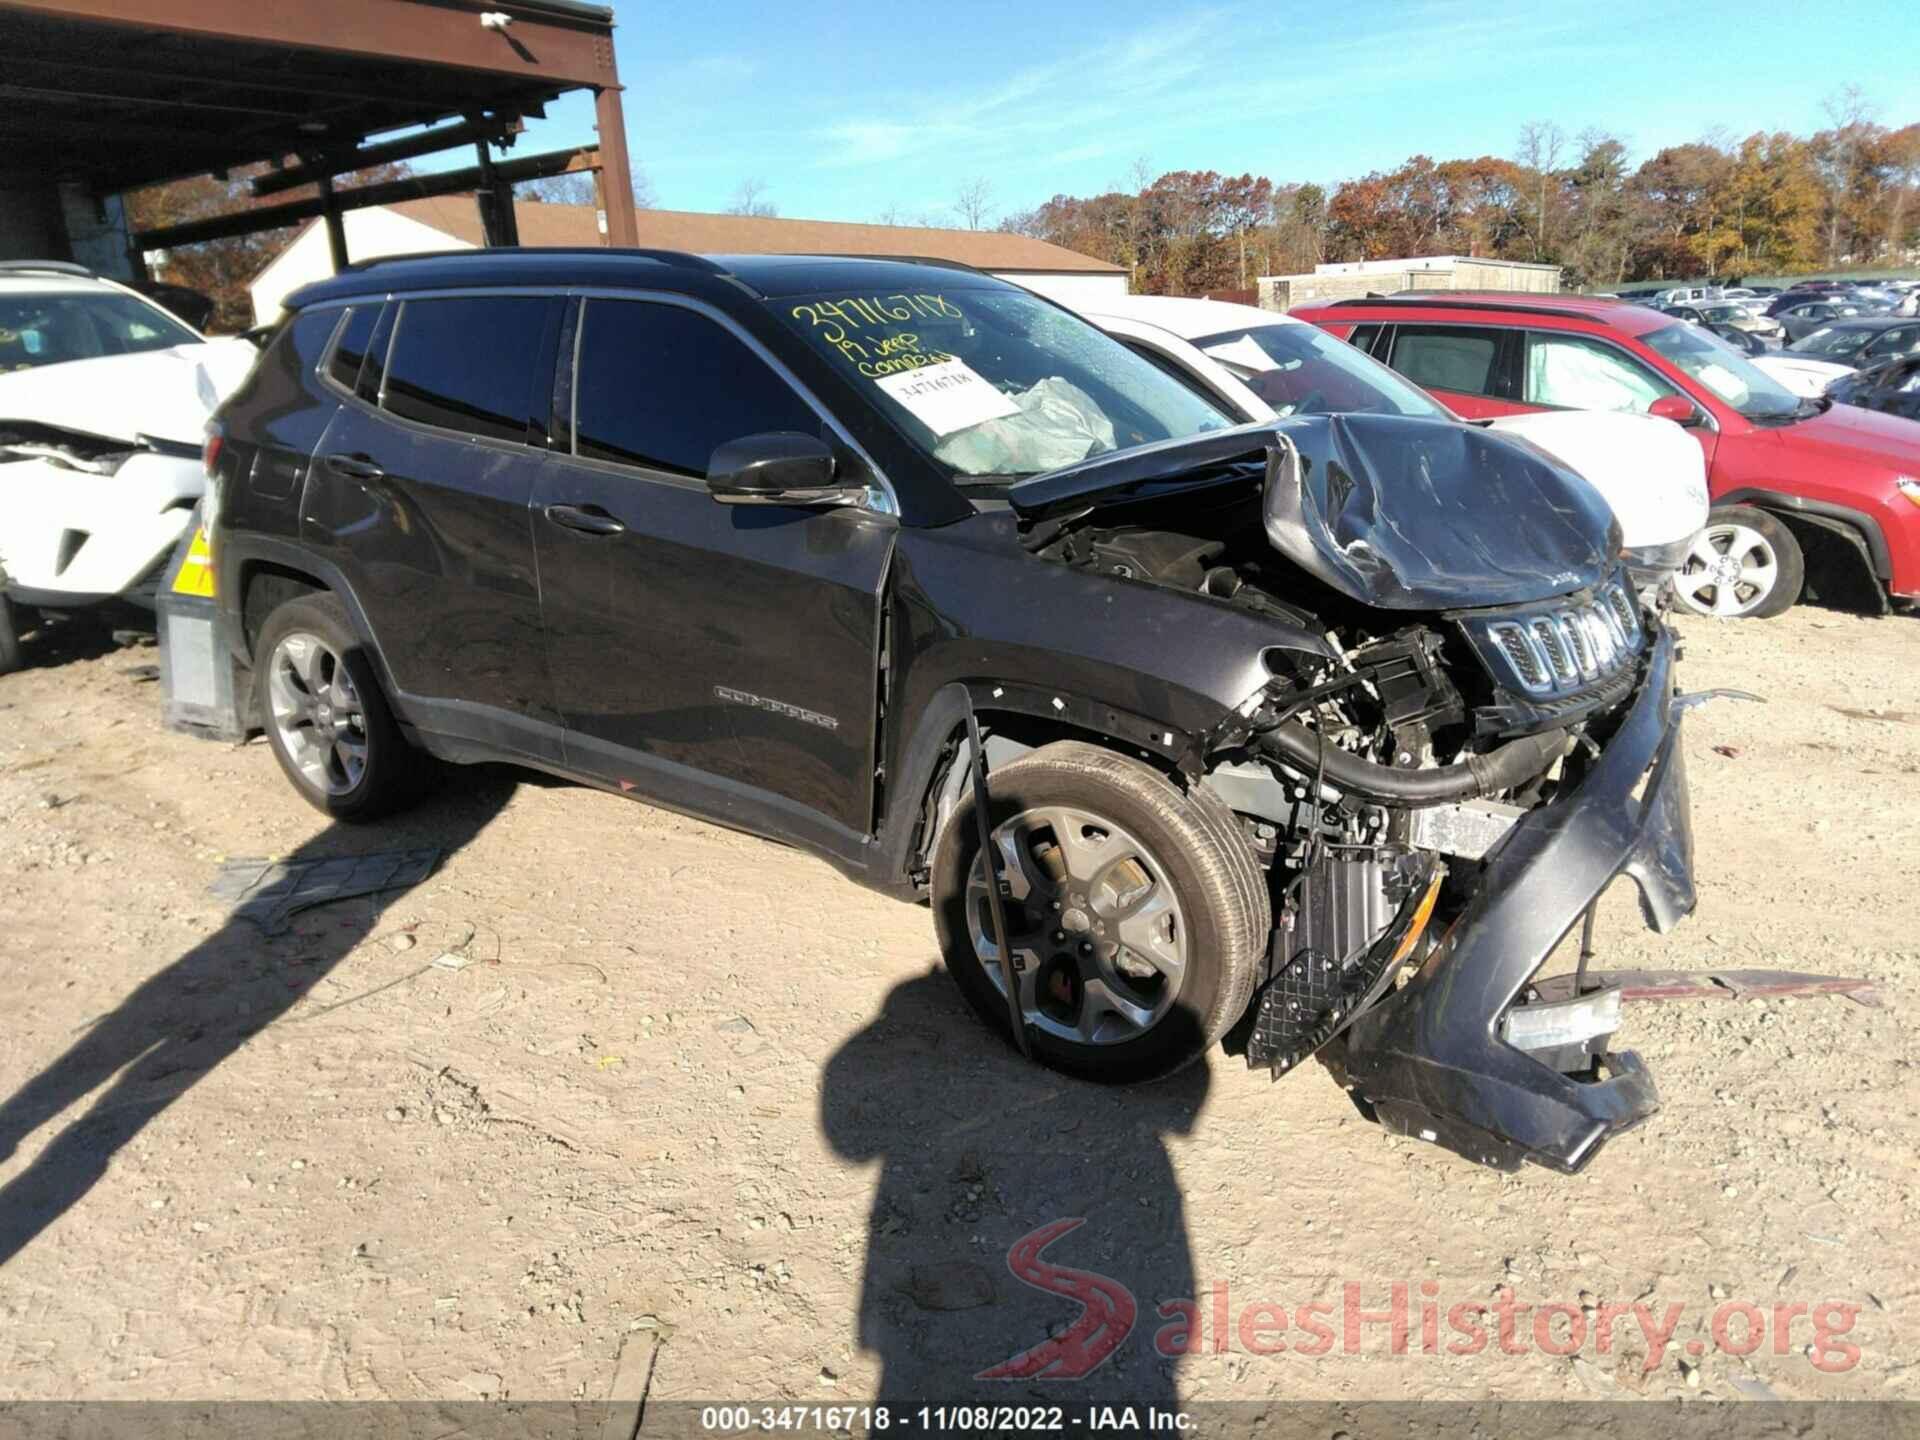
{"x":1429,"y":1058}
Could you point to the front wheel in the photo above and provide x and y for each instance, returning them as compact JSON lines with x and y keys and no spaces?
{"x":1745,"y":564}
{"x":1136,"y":912}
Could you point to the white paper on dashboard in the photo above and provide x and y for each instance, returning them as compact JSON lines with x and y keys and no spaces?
{"x":948,"y":396}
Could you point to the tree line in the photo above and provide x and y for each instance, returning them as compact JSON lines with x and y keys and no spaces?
{"x":1771,"y":203}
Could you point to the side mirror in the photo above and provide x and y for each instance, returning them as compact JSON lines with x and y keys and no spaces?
{"x":783,"y":467}
{"x":1678,"y":409}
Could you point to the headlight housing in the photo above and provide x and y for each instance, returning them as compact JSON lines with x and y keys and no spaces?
{"x":210,"y":464}
{"x":1909,"y":487}
{"x":1647,"y":563}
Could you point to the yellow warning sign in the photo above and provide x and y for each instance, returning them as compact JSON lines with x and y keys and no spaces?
{"x":196,"y":571}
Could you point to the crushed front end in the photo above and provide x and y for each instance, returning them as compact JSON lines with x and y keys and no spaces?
{"x":1455,"y":1055}
{"x":1487,"y":739}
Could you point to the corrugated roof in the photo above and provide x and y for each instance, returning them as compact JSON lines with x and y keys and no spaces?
{"x":542,"y":224}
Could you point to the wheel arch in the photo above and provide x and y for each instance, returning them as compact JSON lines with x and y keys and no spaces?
{"x":1847,"y":558}
{"x":257,"y":573}
{"x":1019,"y":718}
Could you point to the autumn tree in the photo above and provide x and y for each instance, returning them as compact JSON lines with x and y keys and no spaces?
{"x":1769,"y":203}
{"x":222,"y":269}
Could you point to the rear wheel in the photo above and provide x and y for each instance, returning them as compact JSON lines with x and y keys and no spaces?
{"x":1137,"y":913}
{"x":1744,"y":564}
{"x":326,"y":717}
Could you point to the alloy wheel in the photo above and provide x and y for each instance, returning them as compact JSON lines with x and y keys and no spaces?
{"x":1093,"y":922}
{"x":318,"y":715}
{"x":1729,"y":572}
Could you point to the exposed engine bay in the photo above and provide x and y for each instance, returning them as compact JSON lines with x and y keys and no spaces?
{"x":1375,"y":778}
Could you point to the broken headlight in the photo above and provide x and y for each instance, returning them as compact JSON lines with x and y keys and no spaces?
{"x":1650,"y":563}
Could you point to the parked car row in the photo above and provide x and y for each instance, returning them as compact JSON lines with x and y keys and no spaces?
{"x":1794,"y":480}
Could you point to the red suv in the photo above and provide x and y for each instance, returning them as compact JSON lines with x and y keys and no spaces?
{"x":1805,"y":491}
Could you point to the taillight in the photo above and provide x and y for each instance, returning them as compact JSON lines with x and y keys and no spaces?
{"x":210,"y":461}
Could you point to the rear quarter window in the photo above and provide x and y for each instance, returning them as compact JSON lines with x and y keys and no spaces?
{"x":350,"y":350}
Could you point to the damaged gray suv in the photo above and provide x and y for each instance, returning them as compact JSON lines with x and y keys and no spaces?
{"x":1313,"y":737}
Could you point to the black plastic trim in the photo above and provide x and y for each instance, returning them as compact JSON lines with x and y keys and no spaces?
{"x":1868,"y":527}
{"x":1429,"y":1057}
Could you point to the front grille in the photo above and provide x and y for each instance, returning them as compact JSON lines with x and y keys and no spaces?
{"x":1568,"y":647}
{"x":1623,"y":608}
{"x":1546,"y":635}
{"x":1520,"y":655}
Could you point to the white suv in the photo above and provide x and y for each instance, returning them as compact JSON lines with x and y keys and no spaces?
{"x":103,"y":398}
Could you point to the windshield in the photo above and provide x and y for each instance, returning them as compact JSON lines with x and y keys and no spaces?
{"x":997,"y":384}
{"x":38,"y":330}
{"x":1831,"y":341}
{"x":1301,"y":370}
{"x":1725,"y":372}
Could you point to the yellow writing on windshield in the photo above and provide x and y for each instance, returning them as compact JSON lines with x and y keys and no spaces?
{"x":860,"y":327}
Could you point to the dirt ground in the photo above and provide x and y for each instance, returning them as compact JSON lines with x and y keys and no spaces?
{"x":684,"y":1111}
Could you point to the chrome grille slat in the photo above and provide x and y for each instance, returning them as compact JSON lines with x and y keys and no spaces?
{"x":1567,"y":647}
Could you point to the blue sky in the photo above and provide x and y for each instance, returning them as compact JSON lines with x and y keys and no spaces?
{"x":847,"y":111}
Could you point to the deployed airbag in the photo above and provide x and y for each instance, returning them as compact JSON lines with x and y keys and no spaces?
{"x":1056,"y":423}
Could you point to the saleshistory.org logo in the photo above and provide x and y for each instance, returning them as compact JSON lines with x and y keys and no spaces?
{"x":1503,"y":1325}
{"x":1106,"y":1313}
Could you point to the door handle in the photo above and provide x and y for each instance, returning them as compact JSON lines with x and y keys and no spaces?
{"x":588,"y":519}
{"x":355,"y":467}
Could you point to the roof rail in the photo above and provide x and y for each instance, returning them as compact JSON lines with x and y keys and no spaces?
{"x":1478,"y":300}
{"x":683,"y":259}
{"x":47,"y":267}
{"x":903,"y":260}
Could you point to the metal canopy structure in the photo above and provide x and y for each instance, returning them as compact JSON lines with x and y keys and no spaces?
{"x":116,"y":96}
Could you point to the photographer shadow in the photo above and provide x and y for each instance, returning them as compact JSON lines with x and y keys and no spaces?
{"x":1026,"y":1227}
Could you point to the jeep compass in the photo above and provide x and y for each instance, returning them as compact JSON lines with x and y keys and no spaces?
{"x":1314,"y":735}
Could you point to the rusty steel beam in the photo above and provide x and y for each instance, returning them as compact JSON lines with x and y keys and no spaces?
{"x":616,"y":172}
{"x":347,"y":162}
{"x":537,"y":45}
{"x":415,"y":187}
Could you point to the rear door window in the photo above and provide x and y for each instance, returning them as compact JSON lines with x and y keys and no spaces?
{"x":1450,"y":357}
{"x":1573,"y":372}
{"x":468,"y":364}
{"x":663,"y":387}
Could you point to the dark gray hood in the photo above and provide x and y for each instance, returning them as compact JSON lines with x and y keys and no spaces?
{"x":1418,"y":514}
{"x":1396,"y":512}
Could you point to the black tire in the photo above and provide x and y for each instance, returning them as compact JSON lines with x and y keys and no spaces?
{"x":394,"y":772}
{"x":9,"y":637}
{"x":1194,"y":840}
{"x":1789,"y":576}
